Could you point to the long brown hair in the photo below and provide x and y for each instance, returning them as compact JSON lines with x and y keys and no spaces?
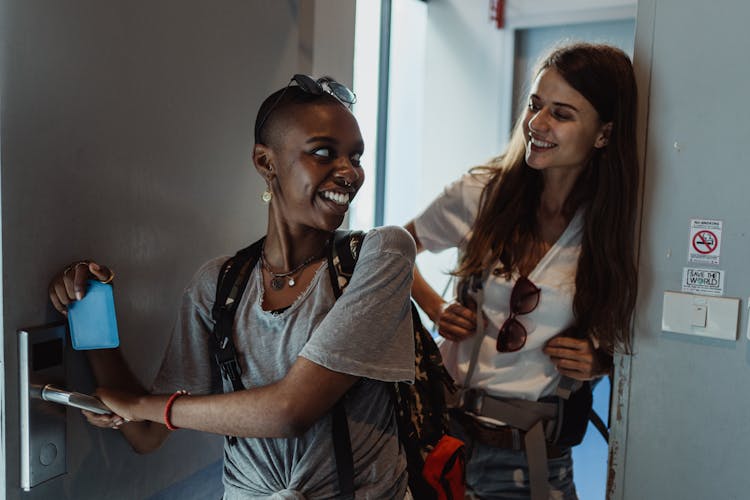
{"x":607,"y":189}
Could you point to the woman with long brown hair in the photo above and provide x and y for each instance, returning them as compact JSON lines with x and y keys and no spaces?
{"x":546,"y":272}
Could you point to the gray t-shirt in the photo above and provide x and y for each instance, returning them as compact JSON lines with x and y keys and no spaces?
{"x":367,"y":332}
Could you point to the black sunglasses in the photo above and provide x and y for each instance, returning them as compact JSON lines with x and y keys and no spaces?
{"x":524,"y":298}
{"x":325,"y":85}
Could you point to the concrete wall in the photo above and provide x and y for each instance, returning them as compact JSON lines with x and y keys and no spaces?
{"x":126,"y":136}
{"x":463,"y":91}
{"x":687,"y":421}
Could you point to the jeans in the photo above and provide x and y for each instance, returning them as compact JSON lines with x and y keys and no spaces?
{"x":499,"y":473}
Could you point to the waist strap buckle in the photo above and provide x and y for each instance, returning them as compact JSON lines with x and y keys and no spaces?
{"x":473,"y":401}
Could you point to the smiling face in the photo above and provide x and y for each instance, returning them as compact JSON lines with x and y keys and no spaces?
{"x":561,"y":127}
{"x":312,"y":166}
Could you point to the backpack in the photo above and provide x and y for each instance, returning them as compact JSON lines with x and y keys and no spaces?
{"x":435,"y":460}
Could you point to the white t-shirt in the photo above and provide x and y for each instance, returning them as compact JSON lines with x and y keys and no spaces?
{"x":528,"y":373}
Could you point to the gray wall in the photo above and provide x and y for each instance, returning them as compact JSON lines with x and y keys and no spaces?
{"x":688,"y":426}
{"x":126,"y":136}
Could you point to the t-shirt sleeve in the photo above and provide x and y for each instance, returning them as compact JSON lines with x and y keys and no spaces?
{"x":447,"y":221}
{"x":368,"y":332}
{"x":187,"y":363}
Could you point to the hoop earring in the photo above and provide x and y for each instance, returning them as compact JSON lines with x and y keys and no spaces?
{"x":267,"y":195}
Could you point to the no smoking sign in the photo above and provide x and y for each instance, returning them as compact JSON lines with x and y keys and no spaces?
{"x":705,"y":241}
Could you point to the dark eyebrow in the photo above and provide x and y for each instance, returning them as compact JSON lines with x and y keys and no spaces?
{"x":566,"y":105}
{"x":321,"y":138}
{"x":562,"y":104}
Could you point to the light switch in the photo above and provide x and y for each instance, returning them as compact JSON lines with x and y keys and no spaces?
{"x":699,"y":316}
{"x":703,"y":315}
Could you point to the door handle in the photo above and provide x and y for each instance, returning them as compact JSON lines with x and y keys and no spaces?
{"x":69,"y":398}
{"x":42,"y":422}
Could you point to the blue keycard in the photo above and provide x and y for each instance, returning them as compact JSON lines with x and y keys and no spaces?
{"x":92,"y":321}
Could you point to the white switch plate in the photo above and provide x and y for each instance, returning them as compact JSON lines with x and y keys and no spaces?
{"x":722,"y":315}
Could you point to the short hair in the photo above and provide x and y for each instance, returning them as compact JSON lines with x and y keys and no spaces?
{"x":279,"y":106}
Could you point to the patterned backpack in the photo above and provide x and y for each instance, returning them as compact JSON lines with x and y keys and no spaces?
{"x":435,"y":460}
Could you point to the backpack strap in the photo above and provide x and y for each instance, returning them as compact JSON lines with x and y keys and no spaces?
{"x":233,"y":278}
{"x":568,"y":386}
{"x":477,"y":283}
{"x":342,"y":450}
{"x":342,"y":258}
{"x":345,"y":247}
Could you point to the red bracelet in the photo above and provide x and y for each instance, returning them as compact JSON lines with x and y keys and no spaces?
{"x":168,"y":409}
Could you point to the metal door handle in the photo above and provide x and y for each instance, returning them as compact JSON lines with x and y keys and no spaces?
{"x":74,"y":399}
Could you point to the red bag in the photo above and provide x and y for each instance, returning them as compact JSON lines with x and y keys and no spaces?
{"x":444,"y":469}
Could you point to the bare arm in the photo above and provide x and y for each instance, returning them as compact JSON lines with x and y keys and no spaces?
{"x":454,"y":321}
{"x":282,"y":409}
{"x":285,"y":408}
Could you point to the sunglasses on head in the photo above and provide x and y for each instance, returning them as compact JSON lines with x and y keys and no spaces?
{"x":324,"y":85}
{"x":524,"y":298}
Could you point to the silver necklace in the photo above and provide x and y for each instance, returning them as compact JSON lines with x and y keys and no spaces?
{"x":277,"y":279}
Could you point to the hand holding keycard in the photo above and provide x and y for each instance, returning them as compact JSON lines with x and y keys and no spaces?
{"x":92,"y":321}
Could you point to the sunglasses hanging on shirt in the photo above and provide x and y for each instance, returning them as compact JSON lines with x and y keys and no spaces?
{"x":524,"y":298}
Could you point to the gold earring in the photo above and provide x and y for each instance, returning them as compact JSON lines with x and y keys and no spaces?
{"x":267,"y":195}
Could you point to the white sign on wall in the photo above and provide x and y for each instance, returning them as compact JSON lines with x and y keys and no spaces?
{"x":705,"y":241}
{"x":703,"y":281}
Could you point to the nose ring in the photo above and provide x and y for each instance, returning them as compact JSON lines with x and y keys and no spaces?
{"x":347,"y":183}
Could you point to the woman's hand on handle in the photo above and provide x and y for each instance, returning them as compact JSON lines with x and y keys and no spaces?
{"x":108,"y":421}
{"x":70,"y":285}
{"x":143,"y":436}
{"x":122,"y":403}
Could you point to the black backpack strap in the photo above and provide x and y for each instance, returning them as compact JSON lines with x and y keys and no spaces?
{"x":345,"y":247}
{"x":344,"y":250}
{"x":342,"y":450}
{"x":573,"y":403}
{"x":233,"y":278}
{"x":599,"y":424}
